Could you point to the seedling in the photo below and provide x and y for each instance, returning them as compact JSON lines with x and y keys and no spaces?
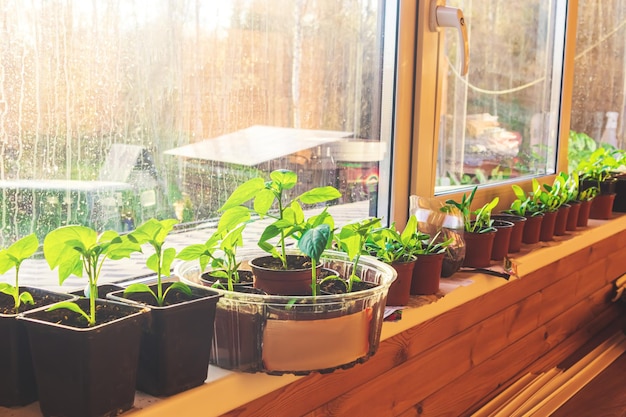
{"x":79,"y":249}
{"x":351,"y":240}
{"x":154,"y":233}
{"x":482,"y":221}
{"x":313,"y":243}
{"x":12,"y":257}
{"x":389,"y":245}
{"x":221,"y":248}
{"x":289,"y":219}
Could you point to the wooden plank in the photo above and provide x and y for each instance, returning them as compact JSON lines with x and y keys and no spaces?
{"x":487,"y":380}
{"x":426,"y":372}
{"x":504,"y":366}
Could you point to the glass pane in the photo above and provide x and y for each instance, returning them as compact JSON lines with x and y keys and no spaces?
{"x":112,"y":111}
{"x":599,"y":95}
{"x":500,"y":121}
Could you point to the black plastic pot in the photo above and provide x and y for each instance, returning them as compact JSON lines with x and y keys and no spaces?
{"x":17,"y":381}
{"x":103,"y":290}
{"x":619,"y":204}
{"x":176,"y":346}
{"x":86,"y":371}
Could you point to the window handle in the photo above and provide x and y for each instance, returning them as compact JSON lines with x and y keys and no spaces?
{"x":451,"y":17}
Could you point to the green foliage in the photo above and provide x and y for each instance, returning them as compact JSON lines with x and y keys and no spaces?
{"x":482,"y":222}
{"x":77,"y":249}
{"x":599,"y":165}
{"x":154,"y":232}
{"x":289,"y":221}
{"x":588,"y":194}
{"x":579,"y":147}
{"x":221,"y":248}
{"x":12,"y":257}
{"x":526,"y":204}
{"x":389,"y":245}
{"x":351,"y":240}
{"x":313,"y":243}
{"x":464,"y":206}
{"x":478,"y":221}
{"x":551,"y":197}
{"x":426,"y":245}
{"x":570,"y":186}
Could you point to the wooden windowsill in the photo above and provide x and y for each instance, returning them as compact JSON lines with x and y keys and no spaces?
{"x":226,"y":390}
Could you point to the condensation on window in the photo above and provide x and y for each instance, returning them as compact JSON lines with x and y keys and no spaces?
{"x":599,"y":94}
{"x":500,"y":121}
{"x":114,"y":111}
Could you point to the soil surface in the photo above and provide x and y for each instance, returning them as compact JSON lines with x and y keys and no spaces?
{"x":104,"y":314}
{"x":245,"y":278}
{"x":293,"y":262}
{"x":7,"y":303}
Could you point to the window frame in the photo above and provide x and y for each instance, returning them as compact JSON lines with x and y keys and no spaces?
{"x":417,"y":127}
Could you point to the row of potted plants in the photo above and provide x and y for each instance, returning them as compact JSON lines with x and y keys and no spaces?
{"x":547,"y":210}
{"x":86,"y":356}
{"x":314,"y":285}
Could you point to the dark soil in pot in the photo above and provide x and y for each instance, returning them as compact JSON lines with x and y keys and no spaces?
{"x":341,"y":287}
{"x":270,"y":276}
{"x":176,"y":346}
{"x":17,"y":380}
{"x":246,"y":279}
{"x":86,"y":373}
{"x":103,"y":290}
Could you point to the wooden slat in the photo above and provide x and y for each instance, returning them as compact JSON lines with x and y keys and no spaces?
{"x":475,"y":386}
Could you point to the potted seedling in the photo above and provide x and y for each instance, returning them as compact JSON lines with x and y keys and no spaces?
{"x":17,"y":384}
{"x":176,"y":346}
{"x":527,"y":206}
{"x":398,"y":249}
{"x":85,"y":351}
{"x":549,"y":199}
{"x":561,"y":192}
{"x":351,"y":240}
{"x":479,"y":230}
{"x":280,"y":272}
{"x":597,"y":171}
{"x":586,"y":198}
{"x":220,"y":251}
{"x":430,"y":252}
{"x":297,"y":333}
{"x":570,"y":189}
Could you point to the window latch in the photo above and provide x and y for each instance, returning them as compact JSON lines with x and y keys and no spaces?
{"x":442,"y":16}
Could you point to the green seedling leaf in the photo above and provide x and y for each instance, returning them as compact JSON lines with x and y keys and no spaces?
{"x":319,"y":195}
{"x":178,"y":286}
{"x":314,"y":241}
{"x":68,"y":305}
{"x":244,"y":192}
{"x":133,"y":288}
{"x":285,"y":179}
{"x":233,"y":217}
{"x":263,"y":202}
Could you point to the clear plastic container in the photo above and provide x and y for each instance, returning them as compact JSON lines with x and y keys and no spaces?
{"x":299,"y":334}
